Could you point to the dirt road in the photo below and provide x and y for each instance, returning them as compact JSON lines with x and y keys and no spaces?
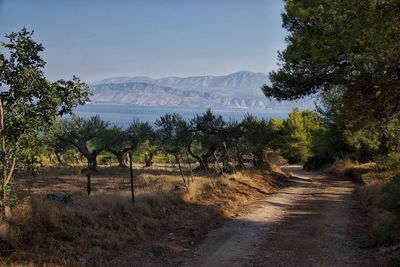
{"x":315,"y":221}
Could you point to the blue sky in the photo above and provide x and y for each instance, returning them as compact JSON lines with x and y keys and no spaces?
{"x":157,"y":38}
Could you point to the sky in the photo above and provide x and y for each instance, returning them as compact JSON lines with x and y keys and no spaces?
{"x":97,"y":39}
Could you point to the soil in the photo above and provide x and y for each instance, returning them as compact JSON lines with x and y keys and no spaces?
{"x":315,"y":221}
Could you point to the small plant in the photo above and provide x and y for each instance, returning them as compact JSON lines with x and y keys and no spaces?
{"x":12,"y":200}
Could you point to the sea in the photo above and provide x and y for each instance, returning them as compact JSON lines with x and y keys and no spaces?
{"x":123,"y":115}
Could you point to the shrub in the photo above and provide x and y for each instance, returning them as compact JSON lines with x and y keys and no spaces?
{"x":274,"y":159}
{"x":391,"y":194}
{"x":316,"y":163}
{"x":388,"y":162}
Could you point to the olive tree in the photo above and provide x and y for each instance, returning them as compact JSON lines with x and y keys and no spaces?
{"x":122,"y":141}
{"x":88,"y":135}
{"x":173,"y":135}
{"x":211,"y":132}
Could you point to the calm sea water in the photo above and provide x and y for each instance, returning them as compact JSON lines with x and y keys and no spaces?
{"x":122,"y":115}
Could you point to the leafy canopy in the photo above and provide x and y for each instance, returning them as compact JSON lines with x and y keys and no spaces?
{"x":30,"y":101}
{"x":351,"y":46}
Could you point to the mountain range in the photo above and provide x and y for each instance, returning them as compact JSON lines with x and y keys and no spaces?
{"x":237,"y":90}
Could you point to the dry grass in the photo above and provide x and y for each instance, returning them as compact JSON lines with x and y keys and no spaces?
{"x":350,"y":169}
{"x":106,"y":229}
{"x":384,"y":226}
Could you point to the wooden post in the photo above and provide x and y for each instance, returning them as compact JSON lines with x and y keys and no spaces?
{"x":131,"y":173}
{"x":88,"y":183}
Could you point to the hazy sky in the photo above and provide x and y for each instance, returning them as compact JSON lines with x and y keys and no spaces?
{"x":157,"y":38}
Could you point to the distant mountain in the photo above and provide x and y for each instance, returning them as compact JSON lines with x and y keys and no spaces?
{"x":236,"y":90}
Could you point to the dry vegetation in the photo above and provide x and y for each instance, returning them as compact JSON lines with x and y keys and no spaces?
{"x":375,"y":191}
{"x":56,"y":223}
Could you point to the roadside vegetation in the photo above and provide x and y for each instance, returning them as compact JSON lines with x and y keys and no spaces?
{"x":190,"y":175}
{"x":346,"y":53}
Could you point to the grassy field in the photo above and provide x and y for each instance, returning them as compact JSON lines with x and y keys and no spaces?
{"x":55,"y":222}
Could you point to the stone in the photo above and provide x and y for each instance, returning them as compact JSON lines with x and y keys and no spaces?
{"x":8,"y":212}
{"x":66,"y":199}
{"x":85,"y":258}
{"x":4,"y":230}
{"x":178,"y":187}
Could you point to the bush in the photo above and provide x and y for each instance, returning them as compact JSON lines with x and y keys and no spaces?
{"x":391,"y":194}
{"x":316,"y":163}
{"x":275,"y":159}
{"x":388,"y":162}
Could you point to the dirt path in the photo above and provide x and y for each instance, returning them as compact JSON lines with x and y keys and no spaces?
{"x":313,"y":222}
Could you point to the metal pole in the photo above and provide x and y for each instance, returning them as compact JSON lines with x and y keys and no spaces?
{"x":131,"y":173}
{"x":88,"y":183}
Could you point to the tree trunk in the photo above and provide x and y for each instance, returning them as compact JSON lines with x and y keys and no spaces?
{"x":121,"y":160}
{"x":217,"y":162}
{"x":77,"y":157}
{"x":148,"y":159}
{"x":240,"y":161}
{"x":4,"y":163}
{"x":7,"y":171}
{"x":190,"y":165}
{"x":92,"y":161}
{"x":203,"y":159}
{"x":227,"y":166}
{"x":178,"y":160}
{"x":60,"y":157}
{"x":51,"y":157}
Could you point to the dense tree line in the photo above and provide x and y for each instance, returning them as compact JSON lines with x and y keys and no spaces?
{"x":205,"y":139}
{"x":348,"y":54}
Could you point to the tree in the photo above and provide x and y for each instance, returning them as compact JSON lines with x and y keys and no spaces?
{"x":347,"y":46}
{"x":89,"y":136}
{"x":120,"y":144}
{"x":121,"y":141}
{"x":339,"y":137}
{"x":54,"y":144}
{"x":29,"y":103}
{"x":297,"y":139}
{"x":209,"y":132}
{"x":173,"y":133}
{"x":259,"y":136}
{"x":144,"y":136}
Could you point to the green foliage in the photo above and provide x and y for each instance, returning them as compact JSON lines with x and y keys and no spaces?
{"x":12,"y":199}
{"x":388,"y":162}
{"x":340,"y":136}
{"x":173,"y":133}
{"x":89,"y":136}
{"x":31,"y":102}
{"x":209,"y":130}
{"x":351,"y":46}
{"x":259,"y":135}
{"x":297,"y":138}
{"x":77,"y":130}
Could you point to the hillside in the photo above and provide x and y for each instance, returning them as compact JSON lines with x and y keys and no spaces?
{"x":236,"y":90}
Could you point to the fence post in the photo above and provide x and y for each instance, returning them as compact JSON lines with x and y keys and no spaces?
{"x":131,"y":173}
{"x":88,"y":183}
